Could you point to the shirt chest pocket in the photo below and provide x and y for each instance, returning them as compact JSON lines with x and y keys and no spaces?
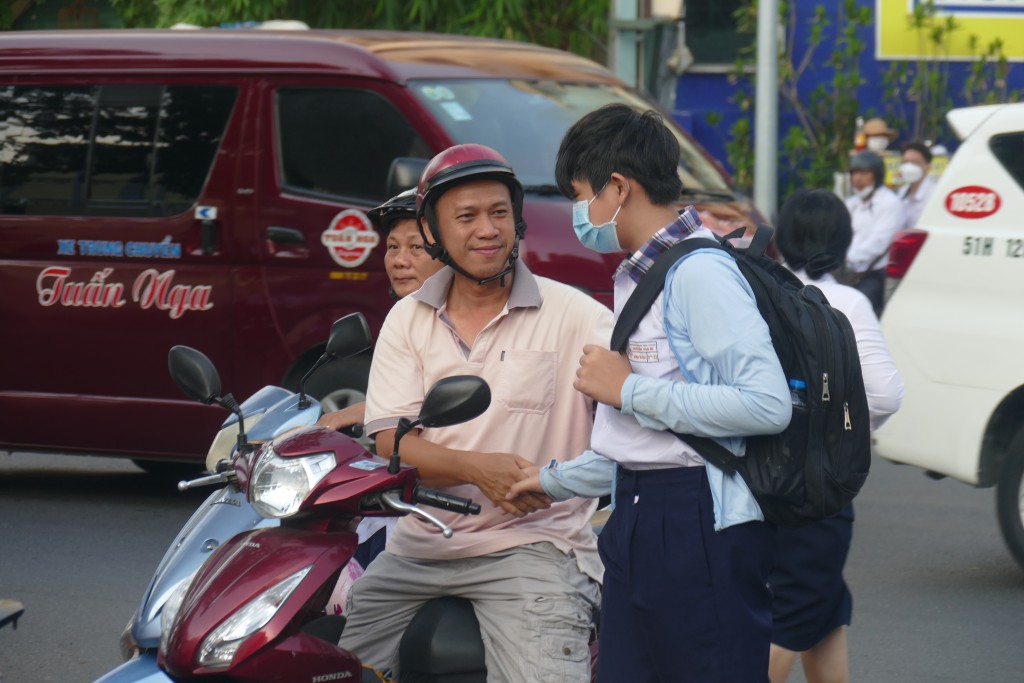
{"x":526,"y":380}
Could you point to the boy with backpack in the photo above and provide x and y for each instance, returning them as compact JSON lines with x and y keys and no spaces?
{"x":686,"y":550}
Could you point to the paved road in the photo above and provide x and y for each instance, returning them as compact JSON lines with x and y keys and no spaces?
{"x":79,"y":540}
{"x":937,"y":597}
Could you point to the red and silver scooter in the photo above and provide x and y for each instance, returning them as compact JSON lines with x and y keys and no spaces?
{"x":255,"y":611}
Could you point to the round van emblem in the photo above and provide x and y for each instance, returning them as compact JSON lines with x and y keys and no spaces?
{"x":972,"y":201}
{"x":350,"y":238}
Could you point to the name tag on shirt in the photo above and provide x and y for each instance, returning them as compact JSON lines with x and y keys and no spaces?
{"x":643,"y":352}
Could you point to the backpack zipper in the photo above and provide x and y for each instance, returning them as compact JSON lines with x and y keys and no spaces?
{"x":819,"y":329}
{"x":851,"y":357}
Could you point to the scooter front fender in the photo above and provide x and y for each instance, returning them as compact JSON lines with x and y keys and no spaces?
{"x":241,"y":570}
{"x":142,"y":669}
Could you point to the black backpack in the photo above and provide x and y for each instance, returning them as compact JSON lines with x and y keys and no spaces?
{"x":817,"y":465}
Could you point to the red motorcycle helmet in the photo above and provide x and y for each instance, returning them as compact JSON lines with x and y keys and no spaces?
{"x":459,"y":164}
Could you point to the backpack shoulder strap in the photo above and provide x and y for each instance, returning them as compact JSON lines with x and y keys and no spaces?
{"x":650,"y":286}
{"x":760,"y":241}
{"x":641,"y":300}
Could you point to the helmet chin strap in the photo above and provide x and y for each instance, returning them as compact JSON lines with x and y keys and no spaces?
{"x":446,"y":259}
{"x":512,"y":258}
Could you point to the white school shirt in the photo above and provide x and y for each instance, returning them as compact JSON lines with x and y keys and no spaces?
{"x":913,"y":204}
{"x":875,"y":223}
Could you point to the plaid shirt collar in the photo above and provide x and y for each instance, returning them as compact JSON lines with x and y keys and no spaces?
{"x":641,"y":260}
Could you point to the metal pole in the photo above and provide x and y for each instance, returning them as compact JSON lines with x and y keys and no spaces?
{"x":624,"y":41}
{"x":766,"y":122}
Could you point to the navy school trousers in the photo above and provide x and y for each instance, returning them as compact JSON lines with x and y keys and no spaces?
{"x":681,"y":603}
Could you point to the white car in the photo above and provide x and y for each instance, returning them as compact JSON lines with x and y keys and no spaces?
{"x":955,"y":321}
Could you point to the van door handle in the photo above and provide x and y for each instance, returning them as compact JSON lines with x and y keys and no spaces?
{"x":287,"y":242}
{"x":209,"y":236}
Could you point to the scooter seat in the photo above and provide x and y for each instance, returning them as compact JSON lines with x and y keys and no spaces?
{"x":442,"y":643}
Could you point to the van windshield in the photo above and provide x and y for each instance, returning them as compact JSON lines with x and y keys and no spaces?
{"x":526,"y":120}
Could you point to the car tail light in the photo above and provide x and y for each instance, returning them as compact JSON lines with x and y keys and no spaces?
{"x":903,"y":251}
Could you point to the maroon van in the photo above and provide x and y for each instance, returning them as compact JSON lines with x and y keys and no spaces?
{"x":210,"y":188}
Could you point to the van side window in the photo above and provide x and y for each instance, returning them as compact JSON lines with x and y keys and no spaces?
{"x":341,"y":142}
{"x":1009,"y":150}
{"x":109,"y":150}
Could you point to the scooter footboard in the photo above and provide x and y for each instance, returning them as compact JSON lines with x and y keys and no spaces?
{"x":142,"y":669}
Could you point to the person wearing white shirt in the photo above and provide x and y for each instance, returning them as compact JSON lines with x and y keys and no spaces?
{"x":918,"y":184}
{"x":811,"y":603}
{"x":876,"y":214}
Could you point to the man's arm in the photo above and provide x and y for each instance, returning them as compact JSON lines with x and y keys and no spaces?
{"x":492,"y":473}
{"x":346,"y":417}
{"x":396,"y":389}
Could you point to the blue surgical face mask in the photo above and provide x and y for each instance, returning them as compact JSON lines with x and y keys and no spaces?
{"x":599,"y":238}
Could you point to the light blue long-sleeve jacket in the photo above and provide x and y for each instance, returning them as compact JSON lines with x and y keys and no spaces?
{"x":733,"y":384}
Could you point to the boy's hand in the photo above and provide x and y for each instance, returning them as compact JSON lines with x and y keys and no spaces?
{"x":495,"y":474}
{"x":529,"y":485}
{"x":601,"y":375}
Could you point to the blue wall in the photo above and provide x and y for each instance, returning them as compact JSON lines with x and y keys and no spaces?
{"x":698,"y":94}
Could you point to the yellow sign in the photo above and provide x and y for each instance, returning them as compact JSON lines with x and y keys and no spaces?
{"x":984,"y":20}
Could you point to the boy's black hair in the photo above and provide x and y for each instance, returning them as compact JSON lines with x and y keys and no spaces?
{"x":919,"y":147}
{"x":814,"y":232}
{"x":618,"y":138}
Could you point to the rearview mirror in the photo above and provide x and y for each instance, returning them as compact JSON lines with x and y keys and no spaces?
{"x":194,"y":374}
{"x":404,"y":173}
{"x":453,"y":400}
{"x":349,"y":335}
{"x":450,"y":401}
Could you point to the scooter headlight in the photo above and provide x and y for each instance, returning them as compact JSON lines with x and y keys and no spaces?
{"x":279,"y":485}
{"x":219,"y":648}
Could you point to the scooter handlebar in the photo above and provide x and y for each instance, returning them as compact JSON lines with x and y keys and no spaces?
{"x":354,"y":431}
{"x":444,"y":501}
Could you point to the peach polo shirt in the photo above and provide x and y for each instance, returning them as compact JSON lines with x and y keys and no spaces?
{"x":528,"y":354}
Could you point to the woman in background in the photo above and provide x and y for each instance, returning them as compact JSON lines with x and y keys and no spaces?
{"x":811,"y":603}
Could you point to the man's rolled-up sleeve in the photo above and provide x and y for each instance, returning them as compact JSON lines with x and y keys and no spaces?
{"x":395,"y":389}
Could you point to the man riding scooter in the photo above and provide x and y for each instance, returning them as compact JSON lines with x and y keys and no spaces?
{"x":530,"y":568}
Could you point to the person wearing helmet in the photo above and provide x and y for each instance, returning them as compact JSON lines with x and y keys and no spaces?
{"x":406,"y":261}
{"x":877,"y":214}
{"x":530,"y":567}
{"x":457,"y":166}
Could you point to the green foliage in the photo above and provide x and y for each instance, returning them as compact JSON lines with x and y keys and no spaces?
{"x":819,"y":143}
{"x":986,"y":81}
{"x":918,"y":93}
{"x":580,"y":26}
